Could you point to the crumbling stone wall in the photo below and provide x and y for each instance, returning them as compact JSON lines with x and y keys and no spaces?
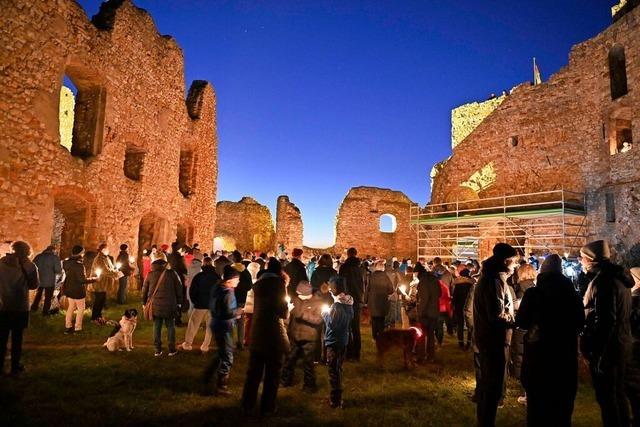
{"x":289,"y":228}
{"x":467,"y":117}
{"x":358,"y":223}
{"x":247,"y":223}
{"x":130,"y":82}
{"x":558,"y":135}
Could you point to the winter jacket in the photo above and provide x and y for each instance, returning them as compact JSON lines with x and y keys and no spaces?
{"x":493,"y":314}
{"x":75,"y":282}
{"x":607,"y":334}
{"x":443,"y":273}
{"x":224,"y":309}
{"x":202,"y":286}
{"x":311,"y":267}
{"x":244,"y":285}
{"x":352,"y":273}
{"x":428,"y":296}
{"x":168,"y":296}
{"x":320,"y":276}
{"x":219,"y":264}
{"x":108,"y":273}
{"x":125,"y":267}
{"x":377,"y":297}
{"x":305,"y":318}
{"x":553,"y":316}
{"x":49,"y":267}
{"x":297,"y":272}
{"x":268,"y":333}
{"x":179,"y":265}
{"x":444,"y":302}
{"x":338,"y":322}
{"x":16,"y":279}
{"x":194,"y":268}
{"x":461,"y":289}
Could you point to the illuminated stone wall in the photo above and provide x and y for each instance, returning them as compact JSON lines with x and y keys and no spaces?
{"x":247,"y":223}
{"x":358,"y":223}
{"x":131,"y":96}
{"x":467,"y":117}
{"x":289,"y":228}
{"x":557,"y":135}
{"x":66,"y":114}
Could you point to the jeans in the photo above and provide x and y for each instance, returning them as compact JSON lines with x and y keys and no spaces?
{"x":14,"y":324}
{"x":198,"y":315}
{"x":48,"y":295}
{"x":267,"y":365}
{"x":493,"y":363}
{"x":240,"y":332}
{"x":428,"y":327}
{"x":377,"y":326}
{"x":460,"y":329}
{"x":223,"y":358}
{"x":99,"y":300}
{"x":157,"y":333}
{"x":68,"y":318}
{"x":442,"y":320}
{"x":306,"y":350}
{"x":122,"y":289}
{"x":608,"y":383}
{"x":355,"y":340}
{"x":335,"y":358}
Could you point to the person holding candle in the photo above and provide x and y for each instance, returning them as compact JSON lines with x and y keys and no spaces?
{"x":75,"y":288}
{"x":106,"y":274}
{"x":123,"y":264}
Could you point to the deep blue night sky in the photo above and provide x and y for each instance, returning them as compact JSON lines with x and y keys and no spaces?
{"x":315,"y":97}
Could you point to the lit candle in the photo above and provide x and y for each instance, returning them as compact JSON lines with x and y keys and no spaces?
{"x":325,"y":308}
{"x":118,"y":265}
{"x":287,"y":299}
{"x":132,"y":259}
{"x":403,"y":289}
{"x":98,"y":272}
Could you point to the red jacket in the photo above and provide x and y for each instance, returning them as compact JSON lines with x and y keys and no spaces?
{"x":445,"y":298}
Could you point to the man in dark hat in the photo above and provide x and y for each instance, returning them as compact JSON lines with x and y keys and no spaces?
{"x":606,"y":341}
{"x":296,"y":270}
{"x":493,"y":316}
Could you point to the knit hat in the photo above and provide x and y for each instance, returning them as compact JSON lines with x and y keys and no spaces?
{"x":552,"y":264}
{"x":465,"y":272}
{"x":304,"y":288}
{"x":229,"y":273}
{"x":297,"y":253}
{"x":635,"y":273}
{"x":504,"y":251}
{"x":77,"y":249}
{"x":596,"y":251}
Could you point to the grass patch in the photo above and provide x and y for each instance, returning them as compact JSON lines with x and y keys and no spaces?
{"x":73,"y":381}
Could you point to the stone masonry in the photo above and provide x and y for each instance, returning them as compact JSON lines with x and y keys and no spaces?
{"x":142,"y":164}
{"x":289,"y":228}
{"x":247,"y":224}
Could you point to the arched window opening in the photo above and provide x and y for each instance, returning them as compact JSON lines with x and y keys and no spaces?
{"x":617,"y":72}
{"x":186,"y":172}
{"x":388,"y":223}
{"x":133,"y":163}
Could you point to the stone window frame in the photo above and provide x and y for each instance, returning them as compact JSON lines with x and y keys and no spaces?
{"x":618,"y":76}
{"x":394,"y":223}
{"x":137,"y":155}
{"x":620,"y":123}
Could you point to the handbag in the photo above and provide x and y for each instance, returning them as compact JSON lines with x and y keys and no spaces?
{"x":148,"y":307}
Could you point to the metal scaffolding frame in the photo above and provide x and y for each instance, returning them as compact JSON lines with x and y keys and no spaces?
{"x":543,"y":222}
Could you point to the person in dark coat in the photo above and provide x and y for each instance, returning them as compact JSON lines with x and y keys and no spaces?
{"x":179,"y":265}
{"x":304,"y":328}
{"x":75,"y":288}
{"x":606,"y":340}
{"x":166,"y":301}
{"x":220,"y":263}
{"x":18,"y":275}
{"x":323,"y":272}
{"x":632,"y":377}
{"x":377,"y":297}
{"x":462,"y":286}
{"x":526,"y":279}
{"x":125,"y":267}
{"x":49,"y":269}
{"x":493,"y":317}
{"x":296,"y":270}
{"x":244,"y":286}
{"x":268,"y":341}
{"x":428,"y":308}
{"x":200,"y":290}
{"x":552,"y":315}
{"x":352,"y":273}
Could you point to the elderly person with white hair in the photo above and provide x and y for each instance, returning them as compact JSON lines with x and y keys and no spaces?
{"x":377,"y":297}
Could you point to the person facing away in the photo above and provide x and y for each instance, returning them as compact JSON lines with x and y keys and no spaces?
{"x":200,"y":291}
{"x":461,"y":289}
{"x":337,"y":319}
{"x":296,"y":270}
{"x":49,"y":269}
{"x":244,"y":286}
{"x":377,"y":297}
{"x":18,"y":275}
{"x":428,"y":310}
{"x":552,"y":315}
{"x":606,"y":340}
{"x":632,"y":376}
{"x":351,"y":271}
{"x":323,"y":272}
{"x":75,"y":288}
{"x":127,"y":270}
{"x":107,"y":274}
{"x":493,"y":318}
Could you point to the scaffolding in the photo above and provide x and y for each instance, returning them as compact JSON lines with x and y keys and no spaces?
{"x":544,"y":222}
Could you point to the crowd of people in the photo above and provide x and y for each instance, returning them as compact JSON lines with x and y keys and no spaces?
{"x":527,"y":318}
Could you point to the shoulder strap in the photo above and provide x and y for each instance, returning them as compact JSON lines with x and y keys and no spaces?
{"x":155,"y":291}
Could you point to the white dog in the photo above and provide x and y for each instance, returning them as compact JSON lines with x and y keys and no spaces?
{"x":122,"y":335}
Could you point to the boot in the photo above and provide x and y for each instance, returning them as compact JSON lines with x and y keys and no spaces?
{"x":223,"y":385}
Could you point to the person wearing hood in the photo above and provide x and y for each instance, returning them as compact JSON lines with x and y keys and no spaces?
{"x":461,"y":287}
{"x":107,"y":274}
{"x":75,"y":288}
{"x":552,"y":315}
{"x":224,"y":312}
{"x":338,"y":320}
{"x":632,"y":378}
{"x":194,"y":268}
{"x":428,"y":309}
{"x":18,"y":275}
{"x":296,"y":270}
{"x":352,"y":273}
{"x":241,"y":291}
{"x":377,"y":297}
{"x":49,"y":269}
{"x":200,"y":291}
{"x":606,"y":340}
{"x":493,"y":317}
{"x":163,"y":290}
{"x":269,"y":341}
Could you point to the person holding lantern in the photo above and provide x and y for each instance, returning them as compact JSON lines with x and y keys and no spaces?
{"x":106,"y":274}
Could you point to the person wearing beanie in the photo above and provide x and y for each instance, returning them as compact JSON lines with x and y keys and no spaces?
{"x":606,"y":340}
{"x":304,"y":328}
{"x":296,"y":270}
{"x":352,"y":272}
{"x":224,"y":311}
{"x":241,"y":291}
{"x":49,"y":271}
{"x":632,"y":377}
{"x":75,"y":288}
{"x":200,"y":291}
{"x":552,"y":315}
{"x":461,"y":287}
{"x":493,"y":317}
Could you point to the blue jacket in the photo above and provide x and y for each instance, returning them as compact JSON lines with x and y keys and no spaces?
{"x":223,"y":309}
{"x":49,"y":267}
{"x":338,"y":322}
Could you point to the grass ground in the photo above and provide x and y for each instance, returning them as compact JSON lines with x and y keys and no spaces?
{"x":73,"y":381}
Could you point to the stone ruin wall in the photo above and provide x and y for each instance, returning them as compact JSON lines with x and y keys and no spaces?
{"x":289,"y":229}
{"x":467,"y":117}
{"x":562,"y":131}
{"x":358,"y":223}
{"x":130,"y":82}
{"x":247,"y":224}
